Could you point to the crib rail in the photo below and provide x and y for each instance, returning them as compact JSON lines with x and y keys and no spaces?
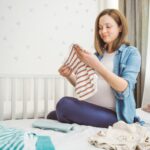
{"x":31,"y":96}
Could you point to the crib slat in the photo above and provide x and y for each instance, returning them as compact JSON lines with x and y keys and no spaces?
{"x":46,"y":96}
{"x":1,"y":100}
{"x":13,"y":98}
{"x":24,"y":100}
{"x":36,"y":98}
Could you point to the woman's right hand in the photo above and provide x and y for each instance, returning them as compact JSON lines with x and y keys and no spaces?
{"x":65,"y":71}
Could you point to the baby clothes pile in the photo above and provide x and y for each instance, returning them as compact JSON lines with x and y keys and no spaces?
{"x":122,"y":136}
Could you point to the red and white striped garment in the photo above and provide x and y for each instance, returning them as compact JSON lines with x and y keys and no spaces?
{"x":86,"y":78}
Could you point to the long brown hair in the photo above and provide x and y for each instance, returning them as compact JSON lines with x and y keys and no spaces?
{"x":120,"y":19}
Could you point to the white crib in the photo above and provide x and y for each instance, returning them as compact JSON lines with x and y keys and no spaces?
{"x":31,"y":96}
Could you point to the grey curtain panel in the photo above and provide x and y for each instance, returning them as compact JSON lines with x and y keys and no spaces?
{"x":137,"y":14}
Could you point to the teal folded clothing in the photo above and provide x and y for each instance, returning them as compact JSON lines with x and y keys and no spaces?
{"x":17,"y":139}
{"x":44,"y":143}
{"x":52,"y":125}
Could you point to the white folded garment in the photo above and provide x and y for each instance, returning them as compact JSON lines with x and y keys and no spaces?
{"x":122,"y":136}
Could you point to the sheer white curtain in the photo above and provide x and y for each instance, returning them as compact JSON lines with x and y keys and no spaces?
{"x":137,"y":14}
{"x":146,"y":93}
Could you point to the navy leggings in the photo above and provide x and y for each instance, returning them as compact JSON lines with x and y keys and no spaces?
{"x":71,"y":110}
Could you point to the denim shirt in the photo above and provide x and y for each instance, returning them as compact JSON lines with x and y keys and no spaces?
{"x":127,"y":62}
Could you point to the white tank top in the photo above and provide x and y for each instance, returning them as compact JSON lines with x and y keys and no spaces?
{"x":104,"y":96}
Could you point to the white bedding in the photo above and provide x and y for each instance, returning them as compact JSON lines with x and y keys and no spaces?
{"x":73,"y":140}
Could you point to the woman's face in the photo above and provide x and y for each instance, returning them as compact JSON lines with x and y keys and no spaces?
{"x":108,"y":29}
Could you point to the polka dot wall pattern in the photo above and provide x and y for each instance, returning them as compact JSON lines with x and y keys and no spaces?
{"x":35,"y":35}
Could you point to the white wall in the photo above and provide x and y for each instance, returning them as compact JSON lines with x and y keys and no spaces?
{"x":103,"y":4}
{"x":35,"y":34}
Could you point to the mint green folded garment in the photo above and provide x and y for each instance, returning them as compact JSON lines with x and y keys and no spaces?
{"x":48,"y":124}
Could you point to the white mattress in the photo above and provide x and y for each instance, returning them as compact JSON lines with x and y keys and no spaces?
{"x":73,"y":140}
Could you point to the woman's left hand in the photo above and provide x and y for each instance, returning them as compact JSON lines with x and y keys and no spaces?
{"x":86,"y":57}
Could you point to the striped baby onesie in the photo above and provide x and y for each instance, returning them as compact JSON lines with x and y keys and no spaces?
{"x":86,"y":78}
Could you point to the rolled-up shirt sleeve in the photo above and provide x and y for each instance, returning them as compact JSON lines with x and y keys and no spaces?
{"x":129,"y":71}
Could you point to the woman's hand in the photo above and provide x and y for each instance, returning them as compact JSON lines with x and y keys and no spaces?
{"x":65,"y":71}
{"x":86,"y":57}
